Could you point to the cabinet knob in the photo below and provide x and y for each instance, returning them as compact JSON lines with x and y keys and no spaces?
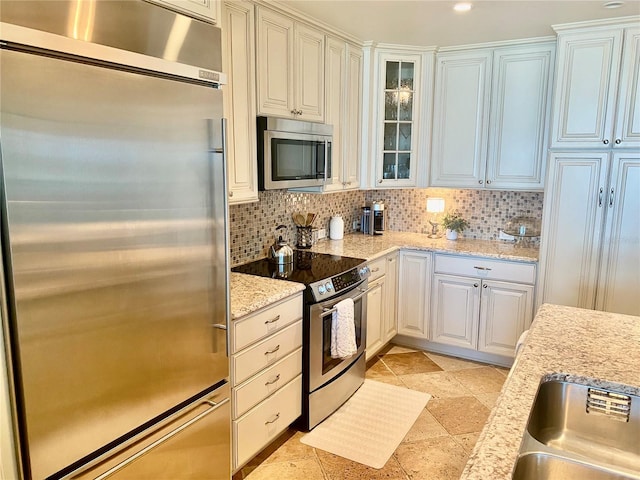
{"x":379,"y":181}
{"x":484,"y":286}
{"x":230,"y":194}
{"x":605,"y":141}
{"x":475,"y":285}
{"x":488,"y":182}
{"x":480,"y":182}
{"x":618,"y":141}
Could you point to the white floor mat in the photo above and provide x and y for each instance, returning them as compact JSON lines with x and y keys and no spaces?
{"x":370,"y":425}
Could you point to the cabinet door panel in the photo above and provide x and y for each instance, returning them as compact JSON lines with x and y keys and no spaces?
{"x":413,"y":294}
{"x":628,"y":113}
{"x":335,"y":76}
{"x":619,"y":285}
{"x":275,"y":69}
{"x":390,"y":303}
{"x":585,"y":95}
{"x":240,"y":101}
{"x":460,"y":119}
{"x":572,"y":231}
{"x":456,"y":302}
{"x":519,"y":108}
{"x":352,"y":127}
{"x":506,"y":311}
{"x":375,"y":317}
{"x":309,"y":74}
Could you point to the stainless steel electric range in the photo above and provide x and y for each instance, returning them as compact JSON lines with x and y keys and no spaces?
{"x":327,"y":382}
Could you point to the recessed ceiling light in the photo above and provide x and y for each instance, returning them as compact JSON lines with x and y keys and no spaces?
{"x":613,"y":4}
{"x":462,"y":7}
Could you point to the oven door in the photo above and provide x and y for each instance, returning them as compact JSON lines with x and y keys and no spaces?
{"x":296,"y":159}
{"x":322,"y":367}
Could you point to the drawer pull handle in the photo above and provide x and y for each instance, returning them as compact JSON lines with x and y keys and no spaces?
{"x":271,"y":382}
{"x":273,"y":320}
{"x":269,"y":352}
{"x":274,"y":419}
{"x":482,"y":268}
{"x":374,"y":270}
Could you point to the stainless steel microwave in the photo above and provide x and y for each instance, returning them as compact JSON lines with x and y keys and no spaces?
{"x":293,"y":153}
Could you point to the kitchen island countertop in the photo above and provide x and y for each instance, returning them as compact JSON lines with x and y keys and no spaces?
{"x":250,"y":293}
{"x":583,"y":346}
{"x":369,"y":247}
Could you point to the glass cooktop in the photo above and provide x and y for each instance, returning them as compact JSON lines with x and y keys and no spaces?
{"x":307,"y":267}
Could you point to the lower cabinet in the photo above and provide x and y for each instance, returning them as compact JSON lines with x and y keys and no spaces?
{"x":381,"y":303}
{"x":481,"y":304}
{"x":414,"y":287}
{"x":266,"y":376}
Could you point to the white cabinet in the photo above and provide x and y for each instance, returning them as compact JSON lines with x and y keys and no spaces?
{"x":203,"y":9}
{"x":414,"y":289}
{"x":597,"y":100}
{"x":381,"y":303}
{"x":400,"y":115}
{"x":290,"y":64}
{"x":266,"y":376}
{"x":490,"y":114}
{"x":481,"y":304}
{"x":238,"y":52}
{"x":590,"y":244}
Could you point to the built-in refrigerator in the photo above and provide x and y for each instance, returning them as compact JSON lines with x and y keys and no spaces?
{"x":114,"y":240}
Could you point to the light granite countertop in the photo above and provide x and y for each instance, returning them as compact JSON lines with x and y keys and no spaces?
{"x":250,"y":293}
{"x":369,"y":247}
{"x":583,"y":346}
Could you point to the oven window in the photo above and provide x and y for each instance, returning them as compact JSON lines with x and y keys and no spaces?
{"x":298,"y":159}
{"x":329,"y":363}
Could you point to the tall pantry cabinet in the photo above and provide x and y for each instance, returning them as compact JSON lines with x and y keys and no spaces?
{"x":590,"y":247}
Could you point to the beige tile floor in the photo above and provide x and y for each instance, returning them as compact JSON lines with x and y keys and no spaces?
{"x":436,"y":447}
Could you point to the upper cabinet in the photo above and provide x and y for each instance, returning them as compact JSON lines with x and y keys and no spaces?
{"x":238,"y":55}
{"x":395,"y":157}
{"x":290,"y":64}
{"x":490,"y":114}
{"x":207,"y":10}
{"x":596,"y":101}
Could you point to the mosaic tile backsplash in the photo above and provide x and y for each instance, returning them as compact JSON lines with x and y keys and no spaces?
{"x":252,"y":225}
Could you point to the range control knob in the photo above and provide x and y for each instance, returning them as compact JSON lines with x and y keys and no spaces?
{"x":328,"y":286}
{"x":321,"y":289}
{"x":364,"y":272}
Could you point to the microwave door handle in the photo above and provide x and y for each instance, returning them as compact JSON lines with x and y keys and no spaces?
{"x":326,"y":159}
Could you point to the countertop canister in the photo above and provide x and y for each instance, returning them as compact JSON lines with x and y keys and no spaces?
{"x":336,"y":228}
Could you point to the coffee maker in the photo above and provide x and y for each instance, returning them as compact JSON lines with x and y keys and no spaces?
{"x":373,"y":218}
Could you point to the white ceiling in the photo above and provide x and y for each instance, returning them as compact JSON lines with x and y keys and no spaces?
{"x":434,"y":23}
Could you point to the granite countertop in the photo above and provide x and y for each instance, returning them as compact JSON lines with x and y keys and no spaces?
{"x":583,"y":346}
{"x":371,"y":246}
{"x":250,"y":293}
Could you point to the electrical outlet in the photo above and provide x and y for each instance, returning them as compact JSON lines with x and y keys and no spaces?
{"x":322,"y":233}
{"x":356,"y":224}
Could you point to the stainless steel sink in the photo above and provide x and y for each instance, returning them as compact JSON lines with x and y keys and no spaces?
{"x":541,"y":466}
{"x":582,"y":432}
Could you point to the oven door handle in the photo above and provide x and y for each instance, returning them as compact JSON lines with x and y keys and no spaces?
{"x":326,"y":310}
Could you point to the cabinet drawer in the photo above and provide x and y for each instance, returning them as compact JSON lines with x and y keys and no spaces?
{"x":258,"y":325}
{"x":490,"y":269}
{"x":270,"y":380}
{"x":266,"y":353}
{"x":262,"y":424}
{"x":377,"y":268}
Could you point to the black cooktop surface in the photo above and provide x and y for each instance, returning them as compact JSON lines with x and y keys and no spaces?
{"x":308,"y":267}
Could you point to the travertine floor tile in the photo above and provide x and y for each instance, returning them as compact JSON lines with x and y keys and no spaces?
{"x":377,"y":369}
{"x":467,"y":440}
{"x":338,"y":468}
{"x":425,"y":427}
{"x":290,"y":448}
{"x":296,"y":470}
{"x":434,"y":459}
{"x":481,"y":380}
{"x":459,"y":414}
{"x":453,"y":363}
{"x":399,"y":349}
{"x":413,"y":362}
{"x":390,"y":379}
{"x":438,"y":384}
{"x":488,"y":399}
{"x":503,"y":370}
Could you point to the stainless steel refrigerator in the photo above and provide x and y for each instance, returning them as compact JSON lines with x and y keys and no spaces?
{"x":114,"y":240}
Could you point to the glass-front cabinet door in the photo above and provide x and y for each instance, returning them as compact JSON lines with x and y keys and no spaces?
{"x":398,"y":114}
